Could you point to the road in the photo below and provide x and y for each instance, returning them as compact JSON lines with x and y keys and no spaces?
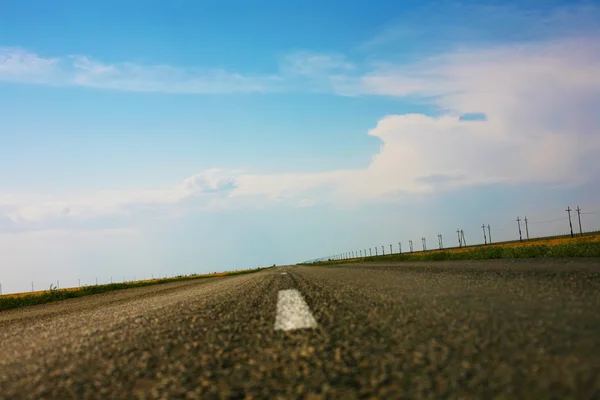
{"x":487,"y":329}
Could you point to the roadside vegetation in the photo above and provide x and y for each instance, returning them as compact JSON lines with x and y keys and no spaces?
{"x":584,"y":246}
{"x":10,"y":301}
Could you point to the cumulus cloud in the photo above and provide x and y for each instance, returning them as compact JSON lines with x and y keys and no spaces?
{"x":541,"y":124}
{"x":538,"y":122}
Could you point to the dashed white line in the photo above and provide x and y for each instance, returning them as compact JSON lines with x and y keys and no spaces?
{"x":293,"y":312}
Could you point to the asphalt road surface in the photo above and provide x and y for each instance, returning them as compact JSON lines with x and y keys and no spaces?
{"x":490,"y":329}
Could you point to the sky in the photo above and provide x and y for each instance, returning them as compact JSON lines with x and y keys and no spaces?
{"x":156,"y":138}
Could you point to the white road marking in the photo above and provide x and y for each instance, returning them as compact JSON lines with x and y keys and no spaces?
{"x":284,"y":273}
{"x":293,"y":312}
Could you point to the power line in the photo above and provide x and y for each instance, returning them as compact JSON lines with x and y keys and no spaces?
{"x":547,"y":222}
{"x":487,"y":237}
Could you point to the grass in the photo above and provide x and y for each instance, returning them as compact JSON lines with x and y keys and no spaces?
{"x":584,"y":246}
{"x":17,"y":300}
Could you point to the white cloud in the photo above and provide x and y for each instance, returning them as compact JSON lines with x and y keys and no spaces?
{"x":314,"y":64}
{"x":540,"y":99}
{"x":542,"y":125}
{"x":42,"y":212}
{"x":18,"y":65}
{"x":298,"y":71}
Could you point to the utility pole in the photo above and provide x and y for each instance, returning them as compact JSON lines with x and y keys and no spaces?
{"x":424,"y":243}
{"x":579,"y":218}
{"x":370,"y":252}
{"x":459,"y":240}
{"x":410,"y":244}
{"x":375,"y":251}
{"x":489,"y":234}
{"x":462,"y":235}
{"x":399,"y":247}
{"x":568,"y":210}
{"x":484,"y":238}
{"x":519,"y":223}
{"x":382,"y":250}
{"x":391,"y":251}
{"x":441,"y":241}
{"x":526,"y":228}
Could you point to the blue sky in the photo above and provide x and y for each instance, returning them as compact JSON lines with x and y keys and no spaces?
{"x":195,"y":136}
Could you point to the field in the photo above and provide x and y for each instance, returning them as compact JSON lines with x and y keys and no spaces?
{"x":579,"y":246}
{"x":16,"y":300}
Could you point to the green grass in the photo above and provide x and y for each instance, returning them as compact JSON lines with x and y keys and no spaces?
{"x":8,"y":302}
{"x":574,"y":249}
